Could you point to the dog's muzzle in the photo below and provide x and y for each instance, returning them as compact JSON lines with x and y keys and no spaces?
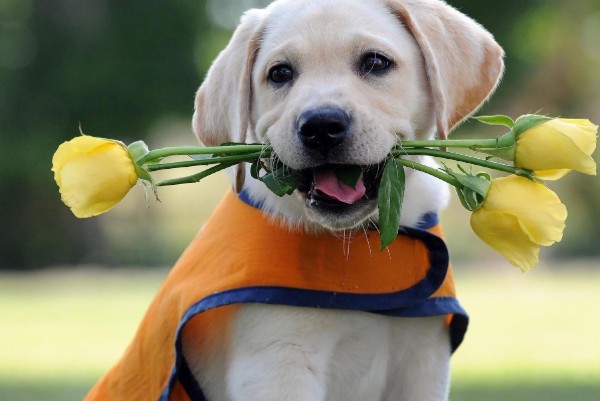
{"x":323,"y":131}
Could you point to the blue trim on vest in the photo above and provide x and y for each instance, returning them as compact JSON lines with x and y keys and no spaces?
{"x":245,"y":197}
{"x":428,"y":220}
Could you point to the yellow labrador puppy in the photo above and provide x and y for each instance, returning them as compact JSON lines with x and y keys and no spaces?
{"x":326,"y":83}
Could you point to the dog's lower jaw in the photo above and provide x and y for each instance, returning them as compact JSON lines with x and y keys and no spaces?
{"x":354,"y":216}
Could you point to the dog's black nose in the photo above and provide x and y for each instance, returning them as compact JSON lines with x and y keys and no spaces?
{"x":324,"y":128}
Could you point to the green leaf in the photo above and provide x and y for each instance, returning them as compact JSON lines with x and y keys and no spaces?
{"x":143,"y":174}
{"x":495,"y":120}
{"x":477,"y":183}
{"x":504,"y":148}
{"x":349,"y":175}
{"x":473,"y":188}
{"x":391,"y":194}
{"x":527,"y":122}
{"x":282,"y":181}
{"x":255,"y":168}
{"x":137,"y":150}
{"x":463,"y":200}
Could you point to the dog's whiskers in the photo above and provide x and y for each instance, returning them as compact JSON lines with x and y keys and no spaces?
{"x":274,"y":161}
{"x":387,"y":248}
{"x":345,"y":248}
{"x":366,"y":234}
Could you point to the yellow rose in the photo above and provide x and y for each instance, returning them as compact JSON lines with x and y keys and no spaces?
{"x":557,"y":146}
{"x":93,"y":174}
{"x":517,"y":217}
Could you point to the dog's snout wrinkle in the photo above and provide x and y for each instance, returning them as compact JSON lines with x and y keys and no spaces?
{"x":324,"y":128}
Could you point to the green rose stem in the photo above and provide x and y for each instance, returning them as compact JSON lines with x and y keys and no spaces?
{"x":463,"y":158}
{"x":202,"y":162}
{"x":429,"y":170}
{"x":228,"y":155}
{"x":249,"y":153}
{"x":473,"y":144}
{"x":159,"y":154}
{"x":196,"y":177}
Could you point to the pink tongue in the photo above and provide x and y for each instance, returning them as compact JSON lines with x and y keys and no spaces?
{"x":327,"y":183}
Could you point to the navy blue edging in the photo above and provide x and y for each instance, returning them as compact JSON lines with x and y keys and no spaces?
{"x":411,"y":302}
{"x":428,"y":220}
{"x":245,"y":197}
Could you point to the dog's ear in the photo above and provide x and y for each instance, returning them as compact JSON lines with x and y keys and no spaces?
{"x":463,"y":61}
{"x":222,"y":105}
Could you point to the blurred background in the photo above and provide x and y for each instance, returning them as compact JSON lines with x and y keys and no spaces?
{"x":72,"y":291}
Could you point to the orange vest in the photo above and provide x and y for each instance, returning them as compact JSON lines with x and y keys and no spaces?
{"x":240,"y":256}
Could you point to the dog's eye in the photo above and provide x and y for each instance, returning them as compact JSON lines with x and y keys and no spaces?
{"x":375,"y":63}
{"x":281,"y":74}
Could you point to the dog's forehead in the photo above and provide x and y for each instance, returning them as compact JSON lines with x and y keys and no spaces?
{"x":329,"y":25}
{"x":290,"y":11}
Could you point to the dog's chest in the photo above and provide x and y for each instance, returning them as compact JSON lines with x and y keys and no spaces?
{"x":339,"y":355}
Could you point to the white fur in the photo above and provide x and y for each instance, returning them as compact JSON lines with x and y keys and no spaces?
{"x":286,"y":353}
{"x":447,"y":65}
{"x":280,"y":353}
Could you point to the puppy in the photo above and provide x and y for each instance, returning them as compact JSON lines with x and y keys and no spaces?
{"x":327,"y":83}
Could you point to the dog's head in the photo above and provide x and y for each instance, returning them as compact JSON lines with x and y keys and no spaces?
{"x":332,"y":83}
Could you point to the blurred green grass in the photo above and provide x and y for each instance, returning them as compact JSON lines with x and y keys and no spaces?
{"x":532,"y":337}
